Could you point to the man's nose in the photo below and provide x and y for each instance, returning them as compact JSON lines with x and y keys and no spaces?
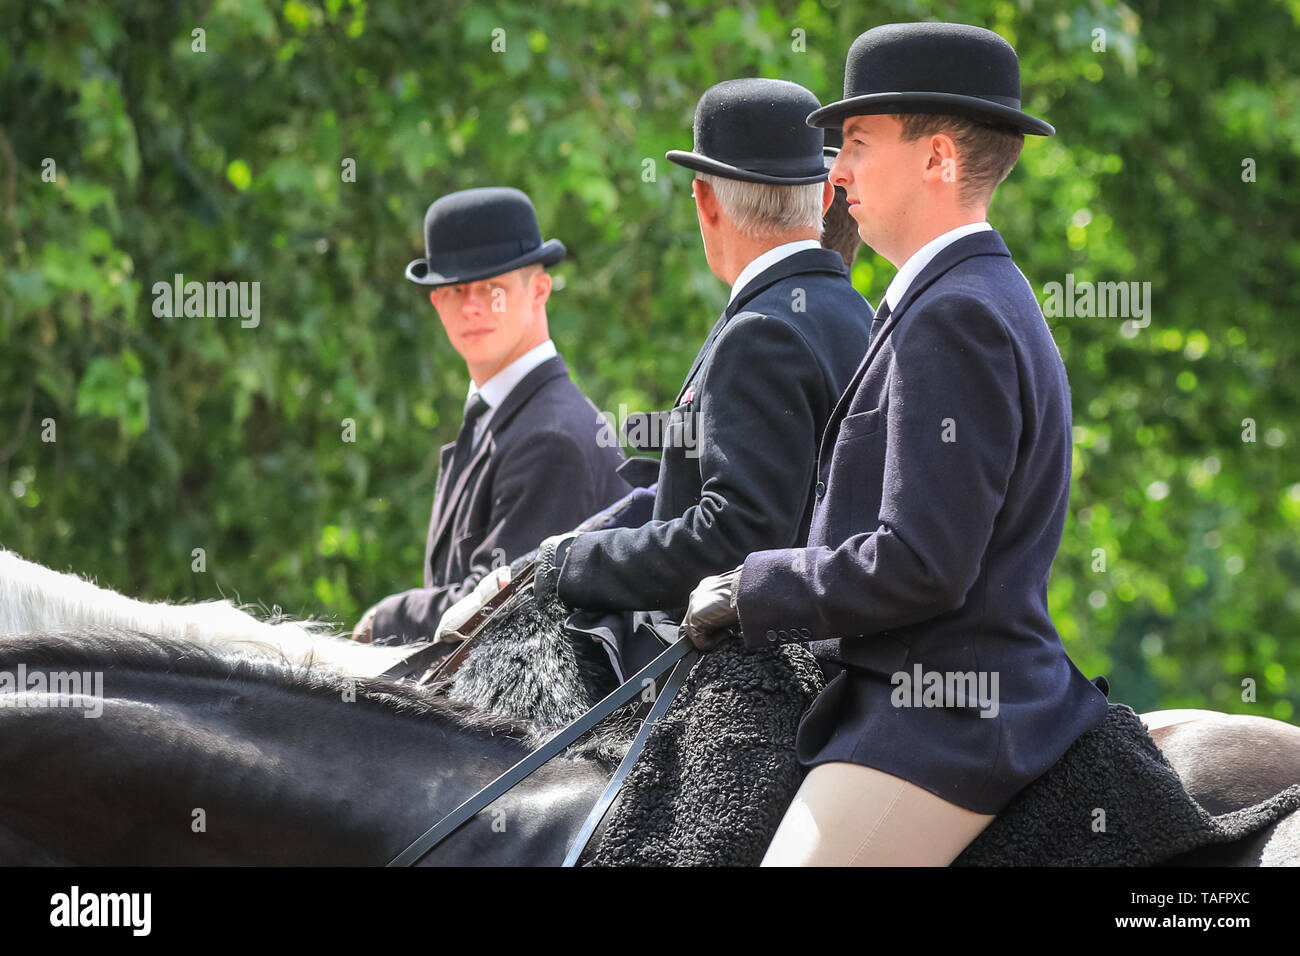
{"x":839,"y":171}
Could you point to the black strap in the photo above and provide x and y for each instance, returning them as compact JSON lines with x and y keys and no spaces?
{"x":416,"y":662}
{"x":553,"y":747}
{"x":661,"y":705}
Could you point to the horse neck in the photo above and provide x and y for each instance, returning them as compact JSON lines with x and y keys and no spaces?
{"x":268,"y":774}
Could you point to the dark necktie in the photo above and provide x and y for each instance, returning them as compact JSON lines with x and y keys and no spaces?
{"x":474,"y":409}
{"x":882,"y":316}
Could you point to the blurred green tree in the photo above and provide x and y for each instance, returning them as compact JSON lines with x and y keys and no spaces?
{"x":297,"y":144}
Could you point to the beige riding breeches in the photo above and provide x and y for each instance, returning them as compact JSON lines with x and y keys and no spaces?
{"x":849,"y":815}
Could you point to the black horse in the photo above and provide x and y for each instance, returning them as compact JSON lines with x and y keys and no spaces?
{"x":204,"y":757}
{"x":200,"y":757}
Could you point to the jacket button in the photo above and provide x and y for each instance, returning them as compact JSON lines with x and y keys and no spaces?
{"x":771,"y":635}
{"x":805,"y":632}
{"x":783,"y":635}
{"x":821,"y":489}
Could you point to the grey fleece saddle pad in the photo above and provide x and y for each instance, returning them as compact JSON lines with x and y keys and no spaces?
{"x":716,"y":777}
{"x":1149,"y":817}
{"x":719,"y":770}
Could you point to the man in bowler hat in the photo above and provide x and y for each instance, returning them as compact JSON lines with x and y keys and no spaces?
{"x":737,"y":468}
{"x":533,"y":455}
{"x":944,"y":477}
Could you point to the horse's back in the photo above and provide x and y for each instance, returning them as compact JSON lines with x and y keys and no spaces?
{"x":1228,"y":761}
{"x":1231,"y":761}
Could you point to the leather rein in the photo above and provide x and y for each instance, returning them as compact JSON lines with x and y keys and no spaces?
{"x":471,"y":632}
{"x":680,"y":656}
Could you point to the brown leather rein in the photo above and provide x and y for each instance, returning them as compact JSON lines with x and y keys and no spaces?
{"x":440,"y":672}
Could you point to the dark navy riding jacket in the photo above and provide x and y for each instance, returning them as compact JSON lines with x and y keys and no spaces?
{"x":546,"y":461}
{"x":737,"y":472}
{"x":944,"y":476}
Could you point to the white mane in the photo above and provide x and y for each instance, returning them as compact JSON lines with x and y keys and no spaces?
{"x":33,"y":598}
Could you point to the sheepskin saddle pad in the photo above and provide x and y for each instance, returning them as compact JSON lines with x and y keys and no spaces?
{"x":718,"y":770}
{"x":1113,"y":799}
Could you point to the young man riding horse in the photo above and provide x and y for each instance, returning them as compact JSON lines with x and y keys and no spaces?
{"x":943,"y":481}
{"x":736,"y":473}
{"x":533,"y":456}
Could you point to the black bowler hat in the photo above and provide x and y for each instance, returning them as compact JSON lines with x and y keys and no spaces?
{"x":479,"y":233}
{"x":755,"y":131}
{"x":946,"y":68}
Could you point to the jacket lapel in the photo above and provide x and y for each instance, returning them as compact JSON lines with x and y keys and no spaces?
{"x":809,"y":260}
{"x":553,"y":367}
{"x":699,"y":356}
{"x":439,"y":493}
{"x":986,"y":243}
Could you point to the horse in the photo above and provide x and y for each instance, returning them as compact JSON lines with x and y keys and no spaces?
{"x":201,"y":755}
{"x":205,"y":756}
{"x":257,"y":717}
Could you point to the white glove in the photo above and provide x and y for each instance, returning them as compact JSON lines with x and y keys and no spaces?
{"x":460,"y":612}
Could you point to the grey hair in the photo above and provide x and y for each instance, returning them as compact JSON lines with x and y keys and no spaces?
{"x":762,"y":211}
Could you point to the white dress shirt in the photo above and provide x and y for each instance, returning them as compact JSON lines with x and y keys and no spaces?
{"x":922,"y":257}
{"x":500,"y":385}
{"x":768,"y":259}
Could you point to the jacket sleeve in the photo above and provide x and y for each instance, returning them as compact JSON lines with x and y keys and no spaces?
{"x":545,"y":486}
{"x":757,"y":443}
{"x":939,"y":497}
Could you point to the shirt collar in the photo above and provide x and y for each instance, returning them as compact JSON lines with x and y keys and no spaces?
{"x":922,"y":258}
{"x":495,"y":389}
{"x":766,"y":260}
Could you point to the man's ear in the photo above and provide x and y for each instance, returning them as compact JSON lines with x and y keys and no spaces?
{"x":707,"y":201}
{"x":540,"y":284}
{"x":941,"y":162}
{"x":828,"y":197}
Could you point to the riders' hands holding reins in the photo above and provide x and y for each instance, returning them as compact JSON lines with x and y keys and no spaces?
{"x":464,"y":609}
{"x":711,"y":612}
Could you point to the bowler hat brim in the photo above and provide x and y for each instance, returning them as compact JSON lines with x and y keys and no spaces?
{"x":548,"y":254}
{"x":871,"y":104}
{"x":706,"y":164}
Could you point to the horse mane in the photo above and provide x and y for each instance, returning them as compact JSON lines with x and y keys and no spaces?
{"x":101,"y":648}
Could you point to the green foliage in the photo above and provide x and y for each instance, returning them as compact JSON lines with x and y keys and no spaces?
{"x":227,"y":165}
